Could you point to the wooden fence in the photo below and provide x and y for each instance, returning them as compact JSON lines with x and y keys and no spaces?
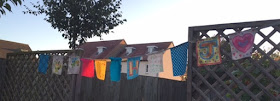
{"x":256,"y":78}
{"x":23,"y":82}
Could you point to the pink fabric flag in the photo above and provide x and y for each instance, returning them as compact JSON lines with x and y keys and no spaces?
{"x":241,"y":44}
{"x":88,"y":68}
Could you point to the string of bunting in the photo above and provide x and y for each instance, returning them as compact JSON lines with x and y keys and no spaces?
{"x":90,"y":67}
{"x":207,"y":52}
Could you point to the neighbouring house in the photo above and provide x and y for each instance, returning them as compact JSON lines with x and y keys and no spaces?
{"x":144,"y":50}
{"x":102,"y":49}
{"x":10,"y":47}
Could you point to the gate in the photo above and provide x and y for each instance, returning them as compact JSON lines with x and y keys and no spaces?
{"x":256,"y":78}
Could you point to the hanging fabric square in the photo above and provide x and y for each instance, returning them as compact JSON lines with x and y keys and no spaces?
{"x":43,"y":63}
{"x":115,"y":69}
{"x":57,"y":64}
{"x":87,"y":68}
{"x":133,"y":67}
{"x":179,"y":59}
{"x":241,"y":44}
{"x":155,"y":64}
{"x":73,"y":65}
{"x":100,"y":67}
{"x":208,"y":51}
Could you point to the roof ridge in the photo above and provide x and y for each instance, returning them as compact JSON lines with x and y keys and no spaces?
{"x":106,"y":41}
{"x":151,"y":43}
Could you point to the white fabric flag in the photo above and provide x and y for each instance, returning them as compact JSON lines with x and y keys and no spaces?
{"x":57,"y":65}
{"x":155,"y":64}
{"x":74,"y":65}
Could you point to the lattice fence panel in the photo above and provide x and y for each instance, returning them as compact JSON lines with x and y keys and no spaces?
{"x":23,"y":82}
{"x":256,"y":78}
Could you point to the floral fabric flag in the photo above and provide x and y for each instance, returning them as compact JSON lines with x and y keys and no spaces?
{"x":179,"y":56}
{"x":100,"y":67}
{"x":57,"y":65}
{"x":241,"y":44}
{"x":74,"y":65}
{"x":43,"y":63}
{"x":155,"y":64}
{"x":208,"y":51}
{"x":133,"y":67}
{"x":88,"y":68}
{"x":115,"y":69}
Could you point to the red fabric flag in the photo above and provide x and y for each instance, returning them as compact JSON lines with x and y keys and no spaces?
{"x":88,"y":68}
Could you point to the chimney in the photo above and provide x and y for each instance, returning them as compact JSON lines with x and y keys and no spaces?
{"x":151,"y":49}
{"x":129,"y":50}
{"x":100,"y":49}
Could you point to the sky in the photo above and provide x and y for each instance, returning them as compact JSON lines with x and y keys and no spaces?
{"x":147,"y":21}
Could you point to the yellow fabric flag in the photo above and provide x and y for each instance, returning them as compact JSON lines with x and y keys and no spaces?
{"x":100,"y":67}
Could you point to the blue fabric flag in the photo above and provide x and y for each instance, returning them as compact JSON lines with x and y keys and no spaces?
{"x":115,"y":69}
{"x":43,"y":63}
{"x":179,"y":59}
{"x":133,"y":67}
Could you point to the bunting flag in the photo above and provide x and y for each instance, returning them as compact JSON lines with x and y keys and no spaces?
{"x":87,"y":68}
{"x":155,"y":64}
{"x":43,"y":63}
{"x":57,"y":65}
{"x":241,"y":44}
{"x":74,"y":65}
{"x":133,"y":67}
{"x":179,"y":59}
{"x":100,"y":67}
{"x":208,"y":51}
{"x":115,"y":69}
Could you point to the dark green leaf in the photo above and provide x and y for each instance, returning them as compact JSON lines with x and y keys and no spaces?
{"x":8,"y":7}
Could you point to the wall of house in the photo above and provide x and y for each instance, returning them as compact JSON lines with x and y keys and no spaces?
{"x":167,"y":68}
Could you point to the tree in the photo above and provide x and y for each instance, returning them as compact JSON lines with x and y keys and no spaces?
{"x":80,"y":19}
{"x":6,"y":5}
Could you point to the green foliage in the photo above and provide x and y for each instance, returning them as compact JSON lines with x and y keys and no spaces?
{"x":80,"y":19}
{"x":6,"y":5}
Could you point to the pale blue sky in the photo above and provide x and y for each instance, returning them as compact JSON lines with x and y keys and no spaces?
{"x":148,"y":21}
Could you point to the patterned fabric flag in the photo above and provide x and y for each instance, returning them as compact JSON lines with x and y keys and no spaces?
{"x":179,"y":59}
{"x":155,"y":64}
{"x":57,"y":65}
{"x":208,"y":51}
{"x":241,"y":44}
{"x":115,"y":69}
{"x":88,"y":68}
{"x":133,"y":67}
{"x":43,"y":63}
{"x":74,"y":65}
{"x":100,"y":67}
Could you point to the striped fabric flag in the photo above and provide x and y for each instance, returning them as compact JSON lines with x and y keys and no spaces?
{"x":133,"y":67}
{"x":115,"y":69}
{"x":100,"y":68}
{"x":179,"y":59}
{"x":43,"y":63}
{"x":88,"y":68}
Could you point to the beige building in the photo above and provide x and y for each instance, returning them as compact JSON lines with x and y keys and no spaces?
{"x":10,"y":47}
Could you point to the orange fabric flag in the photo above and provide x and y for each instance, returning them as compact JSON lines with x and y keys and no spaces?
{"x":100,"y":66}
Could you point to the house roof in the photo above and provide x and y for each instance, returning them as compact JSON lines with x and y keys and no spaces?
{"x":142,"y":50}
{"x":9,"y":47}
{"x":112,"y":48}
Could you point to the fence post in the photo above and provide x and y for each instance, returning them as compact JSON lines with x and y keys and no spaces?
{"x":189,"y":72}
{"x":77,"y":93}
